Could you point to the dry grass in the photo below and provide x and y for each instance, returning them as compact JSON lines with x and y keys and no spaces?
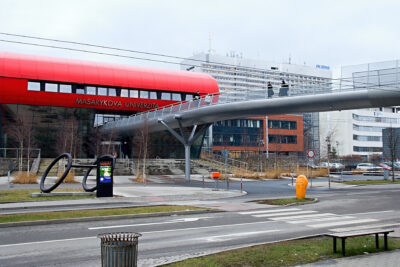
{"x":322,"y":172}
{"x":138,"y":179}
{"x":278,"y":173}
{"x":25,"y":178}
{"x":273,"y":174}
{"x":357,"y":171}
{"x":257,"y":175}
{"x":70,"y":179}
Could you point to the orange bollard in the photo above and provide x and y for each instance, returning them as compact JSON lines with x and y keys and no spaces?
{"x":215,"y":175}
{"x":301,"y":186}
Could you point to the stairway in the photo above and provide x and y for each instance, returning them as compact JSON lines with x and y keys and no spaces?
{"x":44,"y":163}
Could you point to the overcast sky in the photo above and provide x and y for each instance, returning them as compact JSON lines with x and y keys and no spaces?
{"x":333,"y":33}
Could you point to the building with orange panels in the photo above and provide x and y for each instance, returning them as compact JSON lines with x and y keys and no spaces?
{"x":285,"y":133}
{"x":281,"y":134}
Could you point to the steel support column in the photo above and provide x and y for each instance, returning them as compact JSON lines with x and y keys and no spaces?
{"x":186,"y":141}
{"x":1,"y":129}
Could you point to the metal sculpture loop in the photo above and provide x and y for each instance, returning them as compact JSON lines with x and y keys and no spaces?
{"x":66,"y":171}
{"x":62,"y":177}
{"x":84,"y":184}
{"x":84,"y":180}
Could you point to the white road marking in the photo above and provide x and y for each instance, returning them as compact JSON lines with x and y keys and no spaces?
{"x":217,"y":238}
{"x":302,"y":216}
{"x":284,"y":213}
{"x":372,"y":212}
{"x":144,"y":224}
{"x":362,"y":227}
{"x":151,"y":232}
{"x":265,"y":211}
{"x":322,"y":225}
{"x":47,"y":241}
{"x":323,"y":219}
{"x":213,"y":226}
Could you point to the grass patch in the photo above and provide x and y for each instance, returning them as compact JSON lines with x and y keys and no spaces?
{"x":367,"y":182}
{"x":283,"y":201}
{"x":288,"y":253}
{"x":38,"y":216}
{"x":23,"y":195}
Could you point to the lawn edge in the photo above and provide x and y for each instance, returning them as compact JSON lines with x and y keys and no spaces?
{"x":102,"y":218}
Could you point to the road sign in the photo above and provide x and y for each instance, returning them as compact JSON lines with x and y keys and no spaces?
{"x":310,"y":154}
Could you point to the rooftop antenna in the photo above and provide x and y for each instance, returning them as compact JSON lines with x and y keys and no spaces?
{"x":290,"y":59}
{"x":209,"y":42}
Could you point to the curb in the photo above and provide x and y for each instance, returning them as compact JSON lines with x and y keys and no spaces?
{"x":61,"y":205}
{"x":302,"y":203}
{"x":292,"y":204}
{"x":62,"y":194}
{"x":104,"y":218}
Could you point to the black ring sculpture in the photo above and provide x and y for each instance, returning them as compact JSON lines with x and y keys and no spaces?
{"x":67,"y":169}
{"x":84,"y":185}
{"x":61,"y":179}
{"x":84,"y":180}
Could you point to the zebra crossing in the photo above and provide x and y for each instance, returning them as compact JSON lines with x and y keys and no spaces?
{"x":310,"y":218}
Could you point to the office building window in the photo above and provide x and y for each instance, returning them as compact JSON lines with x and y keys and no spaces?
{"x":90,"y":90}
{"x":144,"y":94}
{"x":124,"y":92}
{"x":189,"y":97}
{"x":153,"y":95}
{"x":176,"y":97}
{"x":51,"y":87}
{"x":165,"y":96}
{"x":102,"y":91}
{"x":134,"y":93}
{"x":33,"y":86}
{"x":65,"y":88}
{"x":112,"y":92}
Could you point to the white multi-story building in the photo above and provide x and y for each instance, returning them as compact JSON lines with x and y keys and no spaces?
{"x":240,"y":77}
{"x":359,"y":132}
{"x":237,"y":75}
{"x":356,"y":132}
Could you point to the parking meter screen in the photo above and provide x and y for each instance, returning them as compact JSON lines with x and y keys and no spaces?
{"x":105,"y":172}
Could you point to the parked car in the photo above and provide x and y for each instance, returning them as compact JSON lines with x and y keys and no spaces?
{"x":369,"y":167}
{"x":338,"y":166}
{"x":388,"y":165}
{"x":385,"y":166}
{"x":333,"y":166}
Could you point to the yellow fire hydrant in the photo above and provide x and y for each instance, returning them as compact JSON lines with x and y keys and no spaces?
{"x":301,"y":186}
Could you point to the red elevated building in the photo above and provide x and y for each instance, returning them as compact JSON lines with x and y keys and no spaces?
{"x":47,"y":93}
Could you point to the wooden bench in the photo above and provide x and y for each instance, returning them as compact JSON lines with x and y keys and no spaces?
{"x":345,"y":235}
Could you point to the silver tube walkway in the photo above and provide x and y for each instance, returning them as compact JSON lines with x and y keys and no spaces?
{"x":212,"y":108}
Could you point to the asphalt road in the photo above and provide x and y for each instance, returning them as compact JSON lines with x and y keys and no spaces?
{"x":172,"y":238}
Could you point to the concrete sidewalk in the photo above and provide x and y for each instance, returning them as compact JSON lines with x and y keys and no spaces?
{"x":383,"y":259}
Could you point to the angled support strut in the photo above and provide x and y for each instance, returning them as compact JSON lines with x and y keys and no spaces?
{"x":186,"y":141}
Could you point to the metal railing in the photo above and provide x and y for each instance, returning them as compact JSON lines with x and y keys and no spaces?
{"x":311,"y":88}
{"x":19,"y":157}
{"x":233,"y":163}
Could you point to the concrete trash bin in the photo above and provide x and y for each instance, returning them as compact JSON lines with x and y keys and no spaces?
{"x":119,"y":249}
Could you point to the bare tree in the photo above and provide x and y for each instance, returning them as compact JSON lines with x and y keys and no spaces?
{"x":22,"y":132}
{"x":69,"y":137}
{"x":94,"y":142}
{"x":141,"y":143}
{"x":391,"y":146}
